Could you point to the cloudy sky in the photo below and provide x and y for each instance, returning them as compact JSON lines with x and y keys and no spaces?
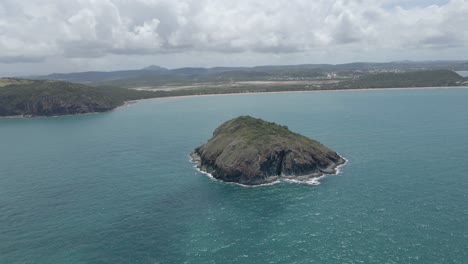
{"x":44,"y":36}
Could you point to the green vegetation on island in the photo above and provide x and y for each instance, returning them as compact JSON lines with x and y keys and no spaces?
{"x":252,"y":151}
{"x":13,"y":81}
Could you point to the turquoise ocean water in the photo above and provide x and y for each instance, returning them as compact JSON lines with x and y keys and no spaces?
{"x":463,"y":73}
{"x":118,"y":187}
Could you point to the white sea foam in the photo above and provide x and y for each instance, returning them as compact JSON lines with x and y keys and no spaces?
{"x":312,"y":181}
{"x":338,"y":168}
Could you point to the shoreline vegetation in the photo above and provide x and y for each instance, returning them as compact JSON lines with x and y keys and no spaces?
{"x":24,"y":98}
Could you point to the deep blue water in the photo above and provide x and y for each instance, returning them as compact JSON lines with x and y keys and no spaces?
{"x":118,"y":187}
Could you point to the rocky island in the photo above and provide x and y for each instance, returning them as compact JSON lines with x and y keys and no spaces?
{"x":252,"y":151}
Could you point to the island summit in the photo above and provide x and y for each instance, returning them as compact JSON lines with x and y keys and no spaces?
{"x":252,"y":151}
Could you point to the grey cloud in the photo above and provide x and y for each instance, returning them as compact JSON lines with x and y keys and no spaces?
{"x":346,"y":30}
{"x":21,"y":59}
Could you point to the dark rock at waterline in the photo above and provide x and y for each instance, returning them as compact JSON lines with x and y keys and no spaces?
{"x":252,"y":151}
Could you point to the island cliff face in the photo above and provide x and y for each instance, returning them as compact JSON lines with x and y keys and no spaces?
{"x":252,"y":151}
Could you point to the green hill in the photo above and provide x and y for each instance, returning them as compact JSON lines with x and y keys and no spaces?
{"x":50,"y":98}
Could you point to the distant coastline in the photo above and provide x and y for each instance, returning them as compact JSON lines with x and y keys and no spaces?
{"x":24,"y":98}
{"x":130,"y":102}
{"x":299,"y":91}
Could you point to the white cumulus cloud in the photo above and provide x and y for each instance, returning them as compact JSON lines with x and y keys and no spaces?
{"x":33,"y":30}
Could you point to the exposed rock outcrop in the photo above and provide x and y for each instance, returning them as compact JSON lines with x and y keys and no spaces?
{"x":252,"y":151}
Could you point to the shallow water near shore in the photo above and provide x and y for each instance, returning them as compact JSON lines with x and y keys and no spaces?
{"x":118,"y":187}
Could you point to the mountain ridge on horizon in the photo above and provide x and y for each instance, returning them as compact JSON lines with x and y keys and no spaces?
{"x":264,"y":70}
